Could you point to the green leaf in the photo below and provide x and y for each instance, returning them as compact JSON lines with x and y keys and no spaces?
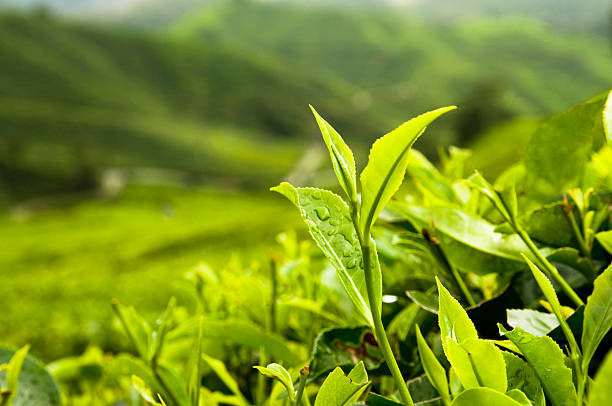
{"x":483,"y":397}
{"x":221,"y":371}
{"x":328,"y":219}
{"x":434,"y":370}
{"x":339,"y":389}
{"x":135,"y":327}
{"x":34,"y":384}
{"x":431,"y":182}
{"x":158,"y":336}
{"x":600,"y":389}
{"x":344,"y":347}
{"x":597,"y":315}
{"x":548,"y":362}
{"x":560,"y":148}
{"x":519,"y":396}
{"x":341,"y":157}
{"x":551,"y":297}
{"x":240,"y":332}
{"x":387,"y":164}
{"x":478,"y":363}
{"x":195,"y":373}
{"x":522,"y":376}
{"x":548,"y":224}
{"x":173,"y":385}
{"x":470,"y":243}
{"x":605,"y":239}
{"x":424,"y":301}
{"x":532,"y":321}
{"x":144,"y":391}
{"x":276,"y":371}
{"x":454,"y":322}
{"x":507,"y":207}
{"x":378,"y":400}
{"x":422,"y":391}
{"x":607,"y":118}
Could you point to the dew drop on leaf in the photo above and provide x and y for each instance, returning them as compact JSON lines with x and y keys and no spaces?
{"x":322,"y":213}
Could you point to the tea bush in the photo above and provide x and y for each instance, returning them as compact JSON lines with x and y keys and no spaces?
{"x":440,"y":289}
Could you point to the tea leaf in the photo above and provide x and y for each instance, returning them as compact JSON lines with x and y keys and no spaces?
{"x":31,"y":380}
{"x":339,"y":389}
{"x":560,"y":148}
{"x":220,"y":370}
{"x":605,"y":239}
{"x":478,"y":363}
{"x":341,"y":157}
{"x":454,"y":322}
{"x":519,"y":396}
{"x":435,"y":372}
{"x":387,"y":164}
{"x":276,"y":371}
{"x":483,"y":397}
{"x":600,"y":388}
{"x":532,"y":321}
{"x":548,"y":362}
{"x":469,"y":242}
{"x":597,"y":315}
{"x":607,"y":118}
{"x":328,"y":219}
{"x":523,"y":377}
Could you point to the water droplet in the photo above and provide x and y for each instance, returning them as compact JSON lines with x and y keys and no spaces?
{"x":352,"y":263}
{"x":316,"y":194}
{"x":322,"y":213}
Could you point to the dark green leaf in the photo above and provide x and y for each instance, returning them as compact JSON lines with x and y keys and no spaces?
{"x":434,"y":370}
{"x":343,"y":347}
{"x":35,"y":387}
{"x":523,"y":377}
{"x":560,"y":148}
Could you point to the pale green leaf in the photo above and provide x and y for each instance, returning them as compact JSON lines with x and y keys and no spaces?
{"x":532,"y":321}
{"x":454,"y":321}
{"x":600,"y":389}
{"x":387,"y":164}
{"x":478,"y":363}
{"x":341,"y":157}
{"x":607,"y":118}
{"x":338,"y":389}
{"x":483,"y":397}
{"x":597,"y":315}
{"x":605,"y":239}
{"x":504,"y":202}
{"x":276,"y":371}
{"x":435,"y":372}
{"x":470,"y":243}
{"x":548,"y":362}
{"x":519,"y":396}
{"x":328,"y":219}
{"x":144,"y":391}
{"x":551,"y":297}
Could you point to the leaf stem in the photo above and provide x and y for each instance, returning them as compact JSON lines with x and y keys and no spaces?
{"x":303,"y":375}
{"x":379,"y":329}
{"x":547,"y":266}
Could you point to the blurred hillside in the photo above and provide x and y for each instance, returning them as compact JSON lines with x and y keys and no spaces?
{"x":218,"y":90}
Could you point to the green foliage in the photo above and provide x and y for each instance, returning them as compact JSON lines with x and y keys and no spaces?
{"x":24,"y":380}
{"x":339,"y":389}
{"x":597,"y":315}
